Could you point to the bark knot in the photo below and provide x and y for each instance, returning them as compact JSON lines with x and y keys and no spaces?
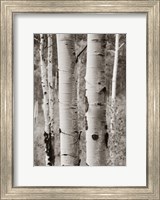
{"x":95,"y":137}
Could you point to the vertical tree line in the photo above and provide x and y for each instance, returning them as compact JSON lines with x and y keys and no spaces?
{"x":65,"y":81}
{"x":113,"y":142}
{"x":67,"y":100}
{"x":96,"y":98}
{"x":44,"y":82}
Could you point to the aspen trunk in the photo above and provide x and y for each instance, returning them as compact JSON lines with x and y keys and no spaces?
{"x":36,"y":112}
{"x":44,"y":83}
{"x":51,"y":97}
{"x":115,"y":67}
{"x":56,"y":81}
{"x":67,"y":100}
{"x":95,"y":98}
{"x":112,"y":138}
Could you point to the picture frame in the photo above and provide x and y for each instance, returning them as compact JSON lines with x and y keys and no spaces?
{"x":151,"y":190}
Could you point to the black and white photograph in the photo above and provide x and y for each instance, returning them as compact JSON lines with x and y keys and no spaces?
{"x":79,"y":111}
{"x":80,"y":91}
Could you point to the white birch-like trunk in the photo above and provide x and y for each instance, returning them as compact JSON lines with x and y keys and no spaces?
{"x":56,"y":81}
{"x":115,"y":67}
{"x":67,"y":100}
{"x":112,"y":138}
{"x":96,"y":99}
{"x":51,"y":97}
{"x":36,"y":112}
{"x":44,"y":83}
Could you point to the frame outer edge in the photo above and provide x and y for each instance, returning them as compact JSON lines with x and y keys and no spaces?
{"x":7,"y":191}
{"x":3,"y":101}
{"x":157,"y":100}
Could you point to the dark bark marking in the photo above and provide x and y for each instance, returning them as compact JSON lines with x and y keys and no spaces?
{"x":50,"y":164}
{"x":50,"y":86}
{"x":95,"y":40}
{"x":86,"y":104}
{"x":87,"y":164}
{"x":60,"y":131}
{"x":79,"y":137}
{"x":48,"y":139}
{"x":79,"y":162}
{"x":69,"y":155}
{"x":100,"y":54}
{"x":86,"y":123}
{"x":106,"y":138}
{"x":95,"y":137}
{"x":103,"y":90}
{"x":72,"y":107}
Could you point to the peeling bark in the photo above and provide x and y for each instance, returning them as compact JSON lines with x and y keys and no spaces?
{"x":96,"y":98}
{"x":67,"y":100}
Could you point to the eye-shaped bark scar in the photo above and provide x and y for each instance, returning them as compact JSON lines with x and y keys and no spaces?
{"x":95,"y":137}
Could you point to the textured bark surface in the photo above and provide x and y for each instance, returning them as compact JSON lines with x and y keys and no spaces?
{"x":114,"y":138}
{"x":50,"y":83}
{"x":81,"y":90}
{"x":44,"y":83}
{"x":95,"y":100}
{"x":51,"y":98}
{"x":67,"y":100}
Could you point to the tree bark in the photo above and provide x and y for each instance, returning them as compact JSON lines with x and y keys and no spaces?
{"x":67,"y":100}
{"x":44,"y":83}
{"x":112,"y":138}
{"x":96,"y":99}
{"x":51,"y":97}
{"x":115,"y":67}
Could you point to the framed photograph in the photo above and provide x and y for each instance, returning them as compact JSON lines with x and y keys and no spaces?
{"x":80,"y":99}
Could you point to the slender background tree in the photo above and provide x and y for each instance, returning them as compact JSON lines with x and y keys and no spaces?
{"x":44,"y":82}
{"x":51,"y":98}
{"x":113,"y":138}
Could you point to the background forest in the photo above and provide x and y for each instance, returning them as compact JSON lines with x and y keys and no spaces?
{"x":115,"y":144}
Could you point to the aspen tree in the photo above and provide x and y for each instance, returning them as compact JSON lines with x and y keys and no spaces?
{"x":44,"y":83}
{"x":95,"y":98}
{"x":112,"y":138}
{"x":36,"y":112}
{"x":51,"y":97}
{"x":67,"y":100}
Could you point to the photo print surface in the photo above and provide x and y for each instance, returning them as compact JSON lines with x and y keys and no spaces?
{"x":79,"y":99}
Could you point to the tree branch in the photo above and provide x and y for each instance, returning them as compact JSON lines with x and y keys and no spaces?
{"x":121,"y":46}
{"x":36,"y":39}
{"x":80,"y":53}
